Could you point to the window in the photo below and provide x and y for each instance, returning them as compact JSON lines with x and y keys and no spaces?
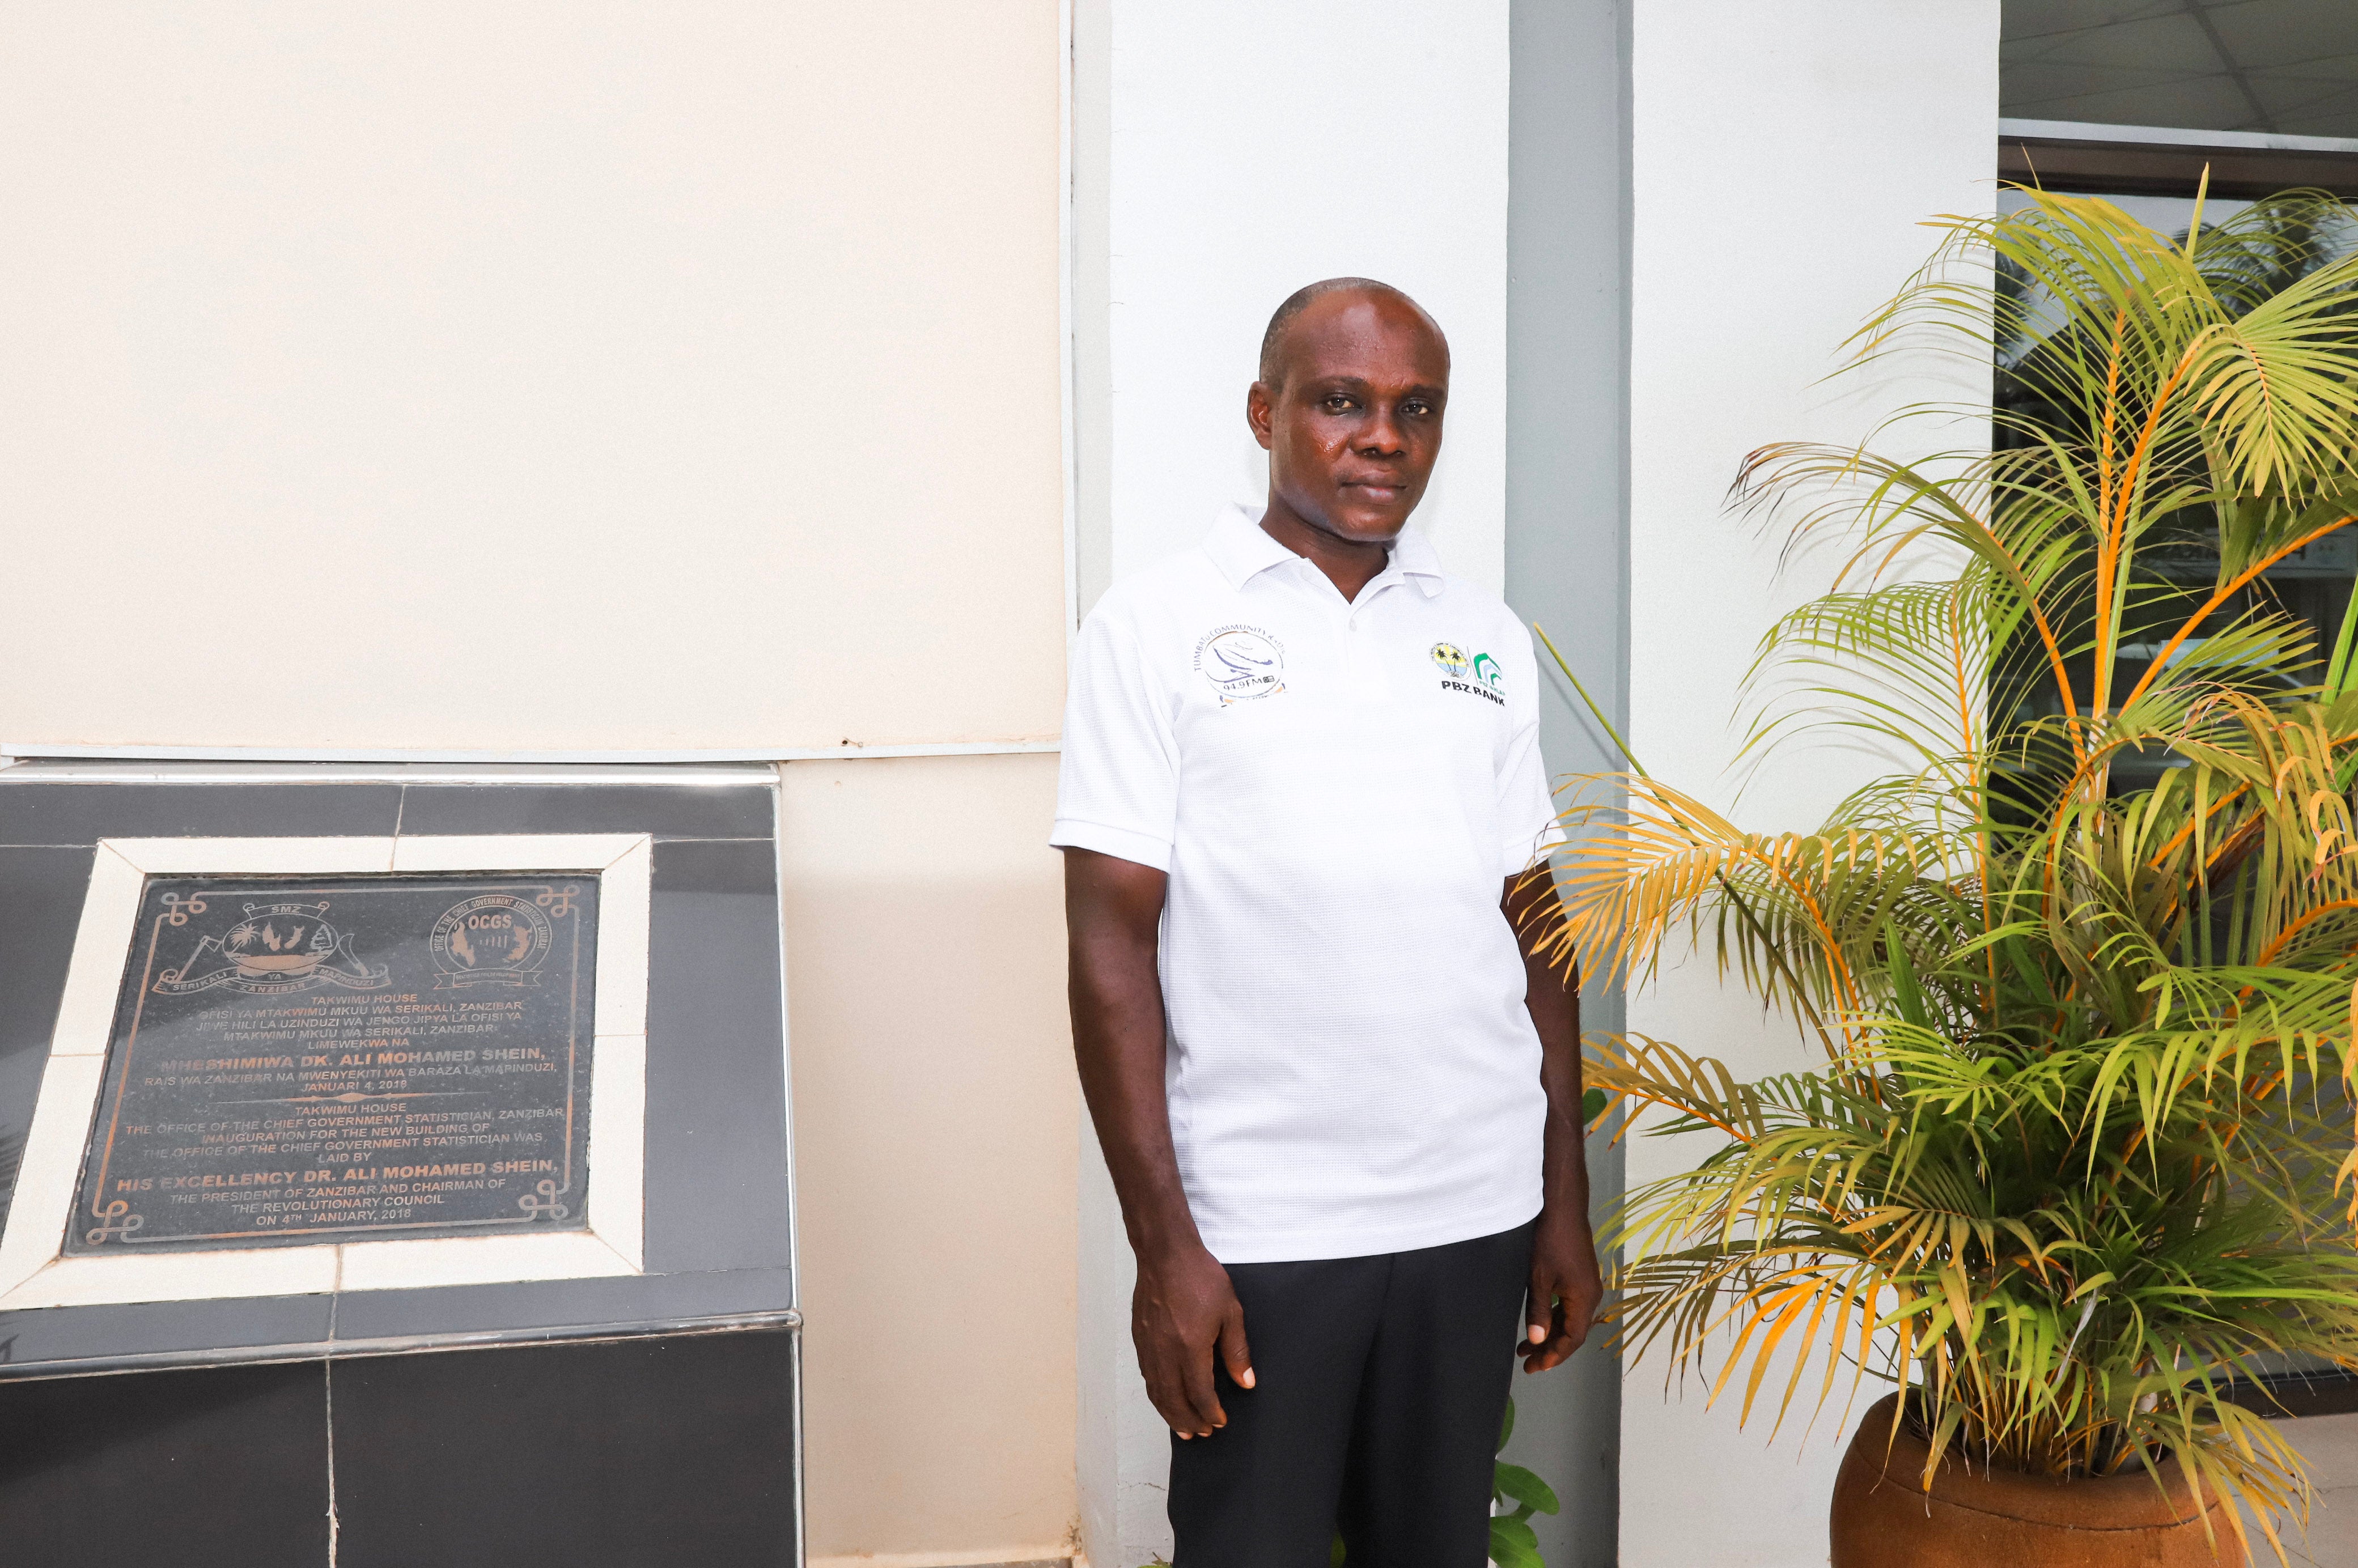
{"x":2135,"y":100}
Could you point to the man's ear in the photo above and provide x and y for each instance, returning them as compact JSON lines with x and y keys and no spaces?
{"x":1260,"y":411}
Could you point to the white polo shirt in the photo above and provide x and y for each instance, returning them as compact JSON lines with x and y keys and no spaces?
{"x":1338,"y":791}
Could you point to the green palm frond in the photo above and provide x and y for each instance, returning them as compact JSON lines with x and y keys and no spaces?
{"x":2083,"y":1151}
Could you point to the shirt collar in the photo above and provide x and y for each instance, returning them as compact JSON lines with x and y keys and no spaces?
{"x":1239,"y":548}
{"x":1242,"y":551}
{"x":1414,"y":553}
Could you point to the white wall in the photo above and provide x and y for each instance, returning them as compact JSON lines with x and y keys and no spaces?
{"x":1253,"y":148}
{"x":1227,"y":152}
{"x":1782,"y":158}
{"x":438,"y":375}
{"x":934,"y":1134}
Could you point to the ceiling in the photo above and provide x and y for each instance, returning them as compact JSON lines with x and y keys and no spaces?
{"x":2288,"y":66}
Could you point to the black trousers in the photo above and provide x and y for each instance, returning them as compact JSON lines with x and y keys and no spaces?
{"x":1379,"y":1386}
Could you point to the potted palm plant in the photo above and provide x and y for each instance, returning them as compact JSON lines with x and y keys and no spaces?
{"x":2079,"y":1154}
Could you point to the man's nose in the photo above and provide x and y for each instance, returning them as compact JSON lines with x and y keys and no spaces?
{"x":1382,"y":439}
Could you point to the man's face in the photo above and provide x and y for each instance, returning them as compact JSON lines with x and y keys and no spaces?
{"x":1355,"y":423}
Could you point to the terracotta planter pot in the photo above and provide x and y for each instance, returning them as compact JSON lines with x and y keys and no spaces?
{"x":1981,"y":1518}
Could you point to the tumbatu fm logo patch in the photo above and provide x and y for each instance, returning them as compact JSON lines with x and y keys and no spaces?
{"x":277,"y":948}
{"x":1242,"y":662}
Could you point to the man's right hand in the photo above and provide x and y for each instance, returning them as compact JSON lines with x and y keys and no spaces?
{"x":1183,"y":1314}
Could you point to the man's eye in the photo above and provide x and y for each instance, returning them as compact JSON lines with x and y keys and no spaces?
{"x":1337,"y":403}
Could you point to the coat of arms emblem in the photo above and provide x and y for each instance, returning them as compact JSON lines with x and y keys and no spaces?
{"x":277,"y":948}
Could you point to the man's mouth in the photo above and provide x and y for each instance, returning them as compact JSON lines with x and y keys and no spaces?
{"x":1376,"y":489}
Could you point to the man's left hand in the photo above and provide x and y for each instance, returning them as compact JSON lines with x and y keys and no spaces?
{"x":1565,"y":1290}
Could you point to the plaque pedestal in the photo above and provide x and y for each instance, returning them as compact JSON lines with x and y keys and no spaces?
{"x":308,"y":1074}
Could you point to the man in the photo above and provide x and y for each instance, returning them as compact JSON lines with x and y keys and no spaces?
{"x":1301,"y":784}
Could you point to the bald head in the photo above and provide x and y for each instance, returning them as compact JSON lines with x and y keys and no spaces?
{"x":1354,"y":381}
{"x":1276,"y":359}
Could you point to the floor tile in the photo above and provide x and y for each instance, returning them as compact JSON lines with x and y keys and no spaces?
{"x":2332,"y":1529}
{"x":2330,"y":1443}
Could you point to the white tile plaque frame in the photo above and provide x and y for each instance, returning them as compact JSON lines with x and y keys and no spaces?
{"x":34,"y":1273}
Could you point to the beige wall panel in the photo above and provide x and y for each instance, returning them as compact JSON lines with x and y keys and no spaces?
{"x":936,"y":1130}
{"x":522,"y":374}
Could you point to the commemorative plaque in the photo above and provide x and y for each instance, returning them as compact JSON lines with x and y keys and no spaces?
{"x":301,"y":1061}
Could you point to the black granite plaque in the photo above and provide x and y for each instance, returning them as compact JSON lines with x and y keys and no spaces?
{"x":347,"y":1058}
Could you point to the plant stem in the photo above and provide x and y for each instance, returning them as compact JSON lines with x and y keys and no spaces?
{"x":1594,"y":712}
{"x":2337,"y":672}
{"x":1752,"y":922}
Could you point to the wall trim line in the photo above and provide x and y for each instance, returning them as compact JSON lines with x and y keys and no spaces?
{"x":26,"y":751}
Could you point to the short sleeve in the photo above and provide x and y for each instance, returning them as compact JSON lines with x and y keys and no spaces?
{"x":1118,"y":782}
{"x":1526,"y":809}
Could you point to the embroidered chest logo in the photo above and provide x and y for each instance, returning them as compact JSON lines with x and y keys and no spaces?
{"x":1478,"y":676}
{"x":1242,"y":662}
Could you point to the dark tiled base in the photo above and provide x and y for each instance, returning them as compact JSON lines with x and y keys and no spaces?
{"x":622,"y":1300}
{"x":38,"y":813}
{"x":703,"y":813}
{"x":648,"y":1452}
{"x":220,"y":1468}
{"x":718,"y":1229}
{"x":2298,"y":1394}
{"x":642,"y":1453}
{"x":56,"y":1335}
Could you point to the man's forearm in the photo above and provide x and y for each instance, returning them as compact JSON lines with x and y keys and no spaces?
{"x":1119,"y":1045}
{"x":1565,"y":1285}
{"x":1184,"y":1310}
{"x":1112,"y":913}
{"x":1563,"y":1168}
{"x":1553,"y":998}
